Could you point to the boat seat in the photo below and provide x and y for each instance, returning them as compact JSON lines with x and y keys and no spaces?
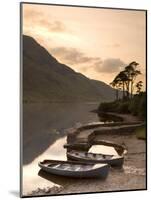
{"x":67,"y":167}
{"x":56,"y":166}
{"x":77,"y":169}
{"x":90,"y":155}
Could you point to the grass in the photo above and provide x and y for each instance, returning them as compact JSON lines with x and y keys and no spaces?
{"x":141,"y":132}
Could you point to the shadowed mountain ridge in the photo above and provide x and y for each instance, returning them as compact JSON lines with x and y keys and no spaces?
{"x":47,"y":80}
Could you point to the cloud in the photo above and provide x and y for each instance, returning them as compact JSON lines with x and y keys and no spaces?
{"x":32,"y":18}
{"x":110,"y":65}
{"x":54,"y":26}
{"x":73,"y":56}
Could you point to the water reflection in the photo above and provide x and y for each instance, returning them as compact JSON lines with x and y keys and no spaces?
{"x":43,"y":124}
{"x":44,"y":136}
{"x":109,"y":118}
{"x":59,"y":180}
{"x":34,"y":178}
{"x":31,"y":180}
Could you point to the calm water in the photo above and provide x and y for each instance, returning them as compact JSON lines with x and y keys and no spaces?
{"x":44,"y":134}
{"x":46,"y":123}
{"x":31,"y":180}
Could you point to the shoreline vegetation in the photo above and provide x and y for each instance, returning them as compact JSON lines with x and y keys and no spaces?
{"x":135,"y":107}
{"x":129,"y":103}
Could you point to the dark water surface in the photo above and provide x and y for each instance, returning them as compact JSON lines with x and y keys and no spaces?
{"x":43,"y":124}
{"x":44,"y":134}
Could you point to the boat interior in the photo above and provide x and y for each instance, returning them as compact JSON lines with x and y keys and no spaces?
{"x":91,"y":155}
{"x":69,"y":167}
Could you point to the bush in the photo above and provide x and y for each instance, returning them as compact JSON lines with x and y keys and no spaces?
{"x":123,"y":107}
{"x":136,"y":106}
{"x":108,"y":107}
{"x":133,"y":106}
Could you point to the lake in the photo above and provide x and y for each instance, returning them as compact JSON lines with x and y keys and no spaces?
{"x":44,"y":134}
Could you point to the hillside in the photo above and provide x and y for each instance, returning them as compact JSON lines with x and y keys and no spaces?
{"x":47,"y":80}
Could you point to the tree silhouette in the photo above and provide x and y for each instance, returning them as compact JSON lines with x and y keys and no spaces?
{"x":122,"y":78}
{"x":117,"y":86}
{"x":131,"y":73}
{"x":139,"y":86}
{"x":126,"y":79}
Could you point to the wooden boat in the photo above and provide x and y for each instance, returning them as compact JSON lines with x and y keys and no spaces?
{"x":75,"y":169}
{"x":113,"y":160}
{"x":78,"y":146}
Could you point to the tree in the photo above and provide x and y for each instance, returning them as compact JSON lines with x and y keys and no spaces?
{"x":120,"y":82}
{"x":122,"y":78}
{"x":139,"y":86}
{"x":115,"y":84}
{"x":131,"y":73}
{"x":126,"y":79}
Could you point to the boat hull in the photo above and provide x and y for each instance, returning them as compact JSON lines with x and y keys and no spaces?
{"x":115,"y":162}
{"x":100,"y":171}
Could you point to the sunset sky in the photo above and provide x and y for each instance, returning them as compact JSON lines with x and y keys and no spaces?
{"x":95,"y":42}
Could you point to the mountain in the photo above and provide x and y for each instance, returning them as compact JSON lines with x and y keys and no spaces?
{"x":47,"y":80}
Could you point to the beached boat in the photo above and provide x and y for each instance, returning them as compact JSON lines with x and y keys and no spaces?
{"x":75,"y":169}
{"x":113,"y":160}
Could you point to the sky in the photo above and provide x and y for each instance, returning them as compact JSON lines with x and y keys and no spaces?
{"x":95,"y":42}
